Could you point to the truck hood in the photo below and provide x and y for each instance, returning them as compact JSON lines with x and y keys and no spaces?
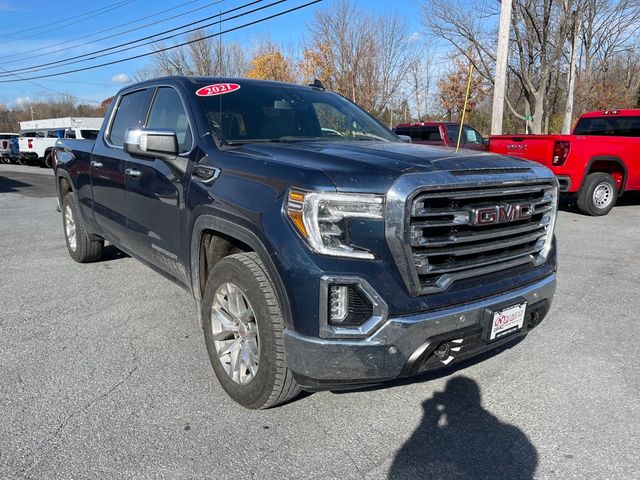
{"x":374,"y":166}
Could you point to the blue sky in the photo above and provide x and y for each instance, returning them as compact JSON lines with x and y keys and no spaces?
{"x":45,"y":30}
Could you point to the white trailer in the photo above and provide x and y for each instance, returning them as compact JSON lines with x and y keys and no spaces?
{"x":38,"y":137}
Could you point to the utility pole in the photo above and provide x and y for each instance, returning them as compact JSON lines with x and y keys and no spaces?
{"x":568,"y":111}
{"x":500,"y":82}
{"x":31,"y":112}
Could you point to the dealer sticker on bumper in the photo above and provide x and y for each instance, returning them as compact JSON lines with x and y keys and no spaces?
{"x":507,"y":321}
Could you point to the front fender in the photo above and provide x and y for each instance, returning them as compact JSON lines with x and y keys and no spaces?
{"x":207,"y":221}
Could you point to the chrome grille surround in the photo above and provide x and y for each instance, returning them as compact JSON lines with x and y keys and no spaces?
{"x":429,"y":228}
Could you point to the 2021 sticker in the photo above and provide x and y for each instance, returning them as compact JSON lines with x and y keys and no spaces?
{"x":217,"y":89}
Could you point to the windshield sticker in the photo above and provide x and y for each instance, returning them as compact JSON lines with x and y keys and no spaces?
{"x":217,"y":89}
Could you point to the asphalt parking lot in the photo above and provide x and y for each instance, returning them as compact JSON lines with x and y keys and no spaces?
{"x":104,"y":374}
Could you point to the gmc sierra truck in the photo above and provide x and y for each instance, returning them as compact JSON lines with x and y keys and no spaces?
{"x":322,"y":251}
{"x":598,"y":161}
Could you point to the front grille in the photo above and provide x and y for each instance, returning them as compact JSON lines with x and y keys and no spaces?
{"x":447,"y":243}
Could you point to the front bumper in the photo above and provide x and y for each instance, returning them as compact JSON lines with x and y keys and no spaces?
{"x":406,"y":345}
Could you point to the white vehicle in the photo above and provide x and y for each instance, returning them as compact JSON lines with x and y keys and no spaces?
{"x":5,"y":146}
{"x":38,"y":137}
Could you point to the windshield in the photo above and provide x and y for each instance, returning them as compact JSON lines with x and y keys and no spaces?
{"x":289,"y":114}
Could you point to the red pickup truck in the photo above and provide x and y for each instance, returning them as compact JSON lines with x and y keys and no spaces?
{"x":600,"y":160}
{"x":444,"y":134}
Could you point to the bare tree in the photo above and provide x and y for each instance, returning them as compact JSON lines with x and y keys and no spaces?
{"x":357,"y":54}
{"x":205,"y":56}
{"x":539,"y":29}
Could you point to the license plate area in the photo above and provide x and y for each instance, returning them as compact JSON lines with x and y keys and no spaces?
{"x":504,"y":320}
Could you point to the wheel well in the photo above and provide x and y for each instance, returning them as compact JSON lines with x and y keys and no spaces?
{"x":65,"y":187}
{"x":213,"y":247}
{"x":611,"y":167}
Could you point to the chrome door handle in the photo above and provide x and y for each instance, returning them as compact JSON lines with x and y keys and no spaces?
{"x":95,"y":164}
{"x":132,"y":172}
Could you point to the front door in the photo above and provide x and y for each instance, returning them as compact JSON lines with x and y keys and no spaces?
{"x":156,"y":192}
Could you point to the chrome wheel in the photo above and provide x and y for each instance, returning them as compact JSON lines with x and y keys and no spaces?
{"x":70,"y":228}
{"x":235,"y":333}
{"x":602,"y":195}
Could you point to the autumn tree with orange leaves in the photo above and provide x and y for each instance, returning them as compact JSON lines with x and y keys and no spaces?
{"x":453,"y":89}
{"x":269,"y":63}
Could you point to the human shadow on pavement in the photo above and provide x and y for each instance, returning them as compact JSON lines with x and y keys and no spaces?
{"x":459,"y":439}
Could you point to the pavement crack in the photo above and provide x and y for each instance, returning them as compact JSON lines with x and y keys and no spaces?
{"x":56,"y":434}
{"x":93,"y":401}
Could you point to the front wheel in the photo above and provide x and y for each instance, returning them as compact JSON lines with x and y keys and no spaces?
{"x":79,"y":244}
{"x":243,"y":329}
{"x":598,"y":195}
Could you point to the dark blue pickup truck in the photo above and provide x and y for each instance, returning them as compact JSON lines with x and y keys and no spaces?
{"x":323,"y":252}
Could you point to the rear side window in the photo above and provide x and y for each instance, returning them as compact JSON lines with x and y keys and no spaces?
{"x":130,"y":113}
{"x":89,"y":134}
{"x":612,"y":126}
{"x":167,"y":112}
{"x":403,"y":131}
{"x":55,"y":134}
{"x":426,"y":134}
{"x":70,"y":134}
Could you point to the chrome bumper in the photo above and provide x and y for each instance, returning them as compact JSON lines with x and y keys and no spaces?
{"x":404,"y":346}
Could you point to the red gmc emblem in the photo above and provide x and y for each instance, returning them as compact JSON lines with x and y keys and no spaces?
{"x":504,"y":213}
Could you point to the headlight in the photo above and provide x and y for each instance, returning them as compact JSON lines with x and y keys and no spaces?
{"x":322,"y":219}
{"x":549,"y":219}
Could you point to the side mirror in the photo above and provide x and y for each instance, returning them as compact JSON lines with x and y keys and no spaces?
{"x":485,"y":141}
{"x":152,"y":144}
{"x":405,"y":138}
{"x":147,"y":143}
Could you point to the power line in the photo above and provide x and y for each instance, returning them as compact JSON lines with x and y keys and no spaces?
{"x":134,"y":57}
{"x":66,"y":23}
{"x":55,"y":91}
{"x":129,"y":45}
{"x":67,"y":42}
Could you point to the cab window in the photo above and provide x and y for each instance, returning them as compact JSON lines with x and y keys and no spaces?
{"x":168,"y":113}
{"x":130,"y":113}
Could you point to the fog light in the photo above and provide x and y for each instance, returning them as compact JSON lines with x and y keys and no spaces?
{"x":338,"y":303}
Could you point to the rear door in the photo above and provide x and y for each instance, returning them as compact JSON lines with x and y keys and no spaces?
{"x":108,"y":165}
{"x":156,"y":192}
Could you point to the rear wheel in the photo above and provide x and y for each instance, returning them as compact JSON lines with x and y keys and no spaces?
{"x":243,"y":329}
{"x":80,"y":246}
{"x":598,"y":195}
{"x":48,"y":161}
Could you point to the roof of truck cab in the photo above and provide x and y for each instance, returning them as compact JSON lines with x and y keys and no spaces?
{"x":198,"y":80}
{"x":613,"y":112}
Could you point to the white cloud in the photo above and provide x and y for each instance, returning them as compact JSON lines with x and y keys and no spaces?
{"x":20,"y":101}
{"x":414,"y":37}
{"x":120,"y":78}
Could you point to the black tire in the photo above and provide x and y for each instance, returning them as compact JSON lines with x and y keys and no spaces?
{"x":48,"y":161}
{"x":85,"y":250}
{"x":273,"y":383}
{"x":598,"y":195}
